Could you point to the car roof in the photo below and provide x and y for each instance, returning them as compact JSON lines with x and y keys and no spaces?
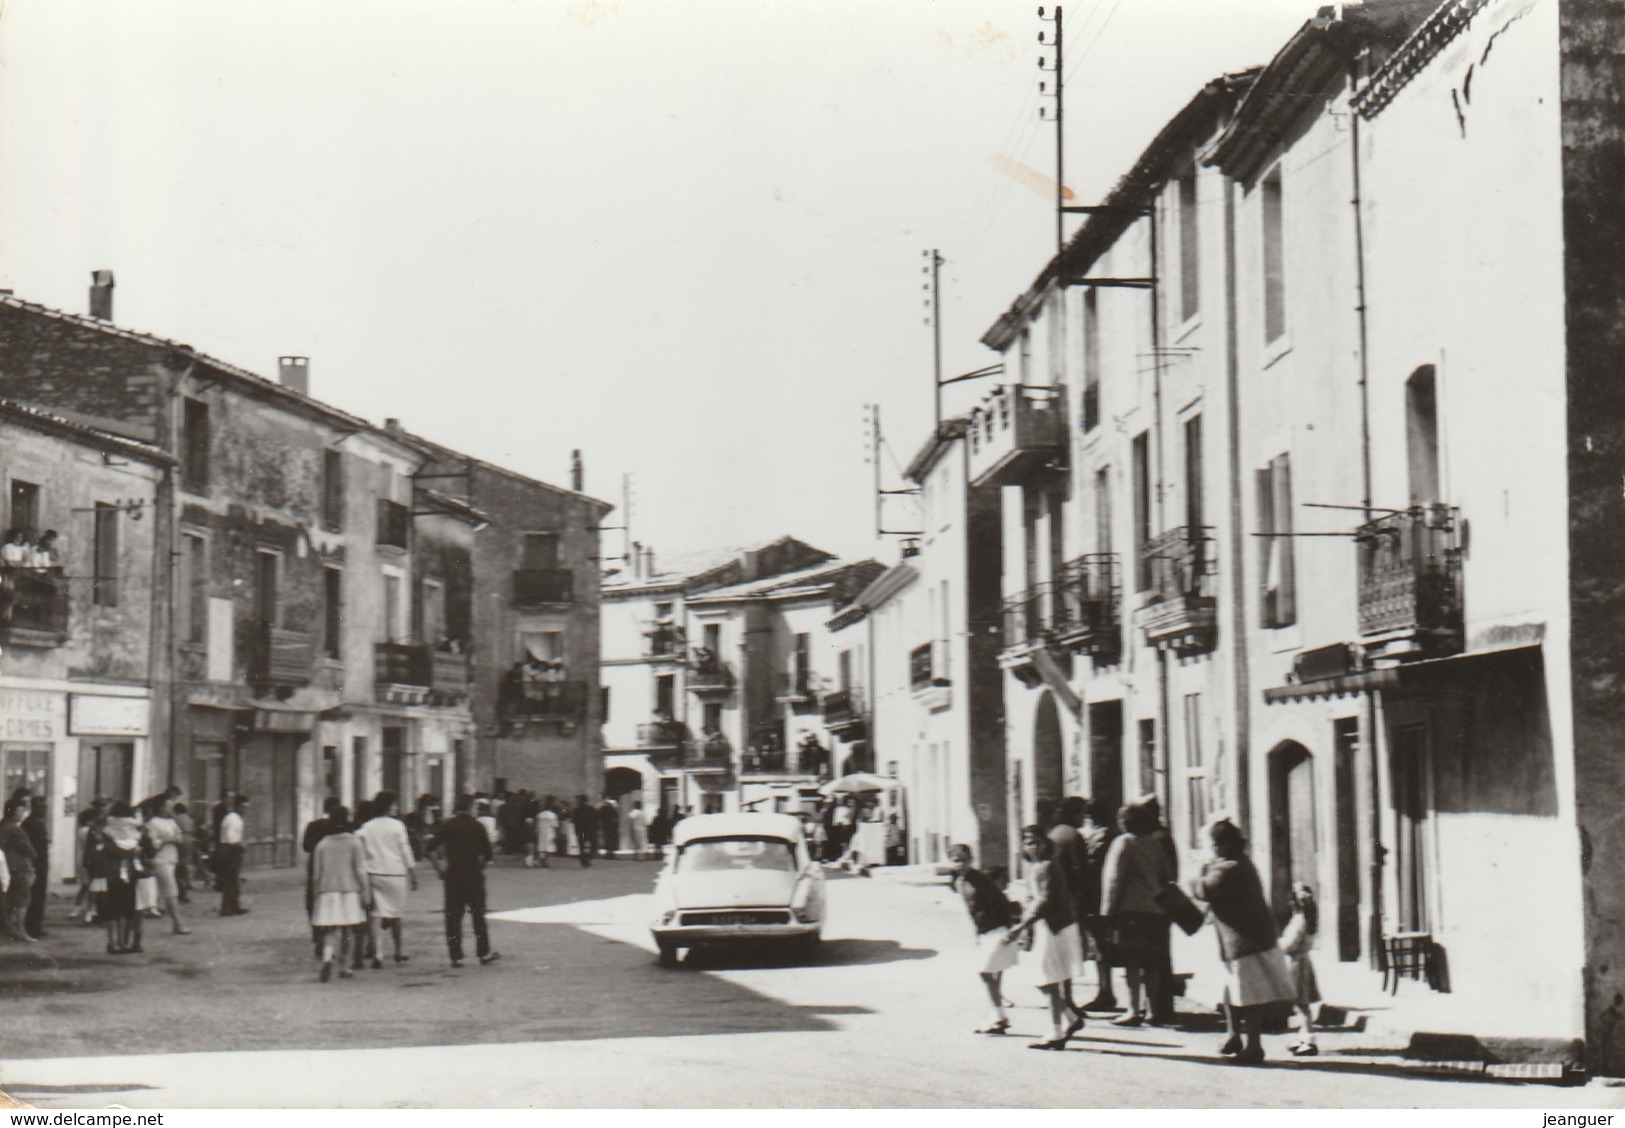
{"x":750,"y":824}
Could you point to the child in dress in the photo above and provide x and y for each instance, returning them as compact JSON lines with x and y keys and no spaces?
{"x":1296,"y":940}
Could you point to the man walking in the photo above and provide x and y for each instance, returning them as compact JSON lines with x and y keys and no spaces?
{"x":459,"y":852}
{"x":229,"y":857}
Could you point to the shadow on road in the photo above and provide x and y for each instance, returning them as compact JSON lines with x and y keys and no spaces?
{"x":744,"y":955}
{"x":554,"y":982}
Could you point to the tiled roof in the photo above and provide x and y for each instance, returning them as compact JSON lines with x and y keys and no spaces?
{"x":40,"y":420}
{"x":259,"y":383}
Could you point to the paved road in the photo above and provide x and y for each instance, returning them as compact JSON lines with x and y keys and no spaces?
{"x":578,"y":1014}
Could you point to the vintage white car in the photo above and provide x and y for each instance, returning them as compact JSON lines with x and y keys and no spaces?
{"x":737,"y":877}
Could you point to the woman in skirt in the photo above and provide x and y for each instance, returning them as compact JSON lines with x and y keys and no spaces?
{"x":116,"y":866}
{"x":390,"y":863}
{"x":1050,"y":920}
{"x":1257,"y":974}
{"x":341,"y":892}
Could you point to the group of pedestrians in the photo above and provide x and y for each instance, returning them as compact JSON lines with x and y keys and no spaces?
{"x":363,"y":869}
{"x":133,"y":863}
{"x":1103,"y":892}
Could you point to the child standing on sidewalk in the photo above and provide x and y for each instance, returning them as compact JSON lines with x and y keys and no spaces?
{"x":1296,"y":941}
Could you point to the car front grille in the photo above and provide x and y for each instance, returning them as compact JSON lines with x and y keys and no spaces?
{"x":737,"y":916}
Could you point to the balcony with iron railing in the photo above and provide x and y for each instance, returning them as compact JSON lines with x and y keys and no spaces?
{"x":1181,"y":613}
{"x":1410,"y":581}
{"x":712,"y":752}
{"x":280,"y":659}
{"x":663,"y":639}
{"x":541,"y":587}
{"x":1028,"y":618}
{"x":845,"y":714}
{"x":528,"y":698}
{"x":707,"y":673}
{"x":1018,"y":430}
{"x":662,"y":733}
{"x":1086,"y":610}
{"x":33,"y":606}
{"x":401,"y":672}
{"x":794,"y":687}
{"x":394,"y":524}
{"x":448,"y":675}
{"x":928,"y":675}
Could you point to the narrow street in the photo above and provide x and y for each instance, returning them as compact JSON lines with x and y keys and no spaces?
{"x":577,"y":1013}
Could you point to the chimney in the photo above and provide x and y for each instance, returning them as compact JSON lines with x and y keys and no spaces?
{"x":577,"y":476}
{"x":101,"y":295}
{"x":294,"y":372}
{"x":393,"y":426}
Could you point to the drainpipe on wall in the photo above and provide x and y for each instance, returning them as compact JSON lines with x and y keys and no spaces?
{"x":1242,"y":685}
{"x":1161,"y":757}
{"x":1369,"y":722}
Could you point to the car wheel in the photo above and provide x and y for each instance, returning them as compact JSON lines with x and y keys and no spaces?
{"x":668,"y":953}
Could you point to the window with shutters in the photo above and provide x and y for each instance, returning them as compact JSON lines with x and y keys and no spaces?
{"x":1278,"y":596}
{"x":104,"y":587}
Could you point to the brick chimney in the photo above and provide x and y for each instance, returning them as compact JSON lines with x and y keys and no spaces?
{"x":101,"y":295}
{"x":294,"y":373}
{"x":577,"y":475}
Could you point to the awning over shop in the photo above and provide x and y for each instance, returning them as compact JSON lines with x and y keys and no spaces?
{"x":301,"y":721}
{"x":1333,"y":687}
{"x":1393,"y":679}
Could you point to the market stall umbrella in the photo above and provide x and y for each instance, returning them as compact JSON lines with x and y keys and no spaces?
{"x":858,"y":782}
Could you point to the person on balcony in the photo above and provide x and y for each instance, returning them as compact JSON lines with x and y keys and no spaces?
{"x":17,"y":552}
{"x":46,"y":555}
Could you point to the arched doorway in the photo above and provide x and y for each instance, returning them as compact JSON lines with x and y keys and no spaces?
{"x":1294,"y":835}
{"x":623,"y":781}
{"x":1049,"y":754}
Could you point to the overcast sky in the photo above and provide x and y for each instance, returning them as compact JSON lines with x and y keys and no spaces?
{"x":683,"y":236}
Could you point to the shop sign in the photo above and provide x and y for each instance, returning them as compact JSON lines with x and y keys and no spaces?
{"x":28,"y":714}
{"x":90,"y":715}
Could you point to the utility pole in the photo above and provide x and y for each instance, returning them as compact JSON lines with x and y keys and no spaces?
{"x":934,"y":303}
{"x":1060,"y":110}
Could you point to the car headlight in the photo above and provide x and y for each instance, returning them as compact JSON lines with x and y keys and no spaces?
{"x":800,"y":901}
{"x":667,"y":917}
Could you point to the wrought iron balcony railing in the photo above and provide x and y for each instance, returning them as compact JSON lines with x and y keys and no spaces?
{"x":919,"y":666}
{"x":707,"y":673}
{"x":535,"y":587}
{"x":1087,"y":612}
{"x":282,"y":659}
{"x":1182,"y":614}
{"x":1410,"y":577}
{"x":401,"y":663}
{"x":844,"y":712}
{"x":33,"y":606}
{"x":793,"y":685}
{"x":522,"y":698}
{"x":1028,"y":616}
{"x":662,"y":734}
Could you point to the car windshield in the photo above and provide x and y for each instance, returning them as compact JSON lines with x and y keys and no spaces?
{"x":709,"y":855}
